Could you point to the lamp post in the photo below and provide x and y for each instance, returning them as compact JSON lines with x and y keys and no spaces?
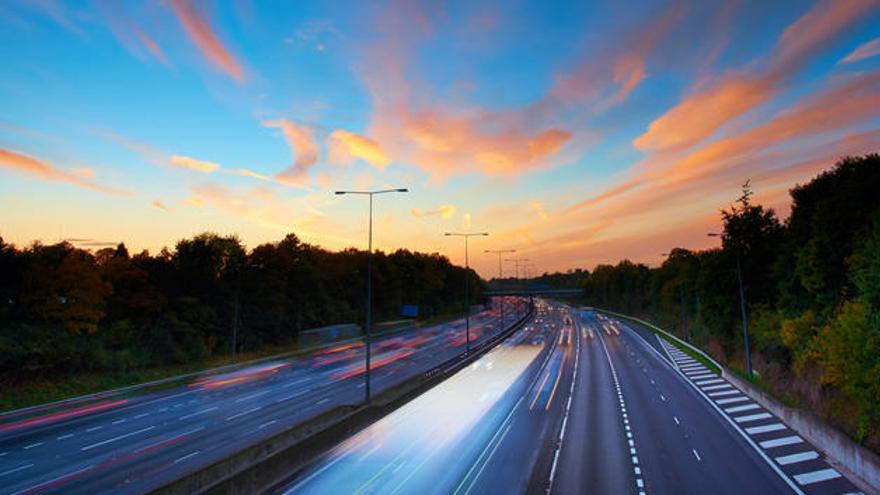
{"x":517,"y":262}
{"x":499,"y":252}
{"x":369,"y":316}
{"x":742,"y":306}
{"x":467,"y":283}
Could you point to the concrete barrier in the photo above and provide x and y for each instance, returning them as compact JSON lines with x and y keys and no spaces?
{"x":862,"y":465}
{"x":263,"y":466}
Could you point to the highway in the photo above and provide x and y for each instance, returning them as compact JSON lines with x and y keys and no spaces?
{"x":577,"y":402}
{"x":132,"y":443}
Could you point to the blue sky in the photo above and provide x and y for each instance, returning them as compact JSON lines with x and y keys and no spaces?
{"x":575,"y":132}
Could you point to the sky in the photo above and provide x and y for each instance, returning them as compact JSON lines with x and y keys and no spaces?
{"x":576,"y":133}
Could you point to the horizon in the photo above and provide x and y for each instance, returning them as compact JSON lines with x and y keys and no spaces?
{"x":575,"y":135}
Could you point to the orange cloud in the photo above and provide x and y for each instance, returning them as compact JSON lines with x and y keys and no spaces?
{"x":247,"y":173}
{"x":444,"y":211}
{"x":345,"y":146}
{"x":200,"y":31}
{"x":193,"y":164}
{"x":866,"y":50}
{"x":21,"y":162}
{"x":158,"y":205}
{"x":301,"y":140}
{"x":700,"y":114}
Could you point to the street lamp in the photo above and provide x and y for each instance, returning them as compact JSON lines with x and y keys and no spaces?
{"x":516,"y":263}
{"x":467,"y":283}
{"x":742,"y":306}
{"x":367,"y":329}
{"x":499,"y":252}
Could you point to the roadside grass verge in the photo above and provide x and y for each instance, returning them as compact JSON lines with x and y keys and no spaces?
{"x":683,"y":348}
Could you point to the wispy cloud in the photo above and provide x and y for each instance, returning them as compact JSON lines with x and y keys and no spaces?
{"x":301,"y":139}
{"x":346,"y":146}
{"x":193,"y":164}
{"x":159,"y":205}
{"x":202,"y":34}
{"x":864,"y":51}
{"x":244,"y":172}
{"x":29,"y":165}
{"x":706,"y":109}
{"x":444,"y":211}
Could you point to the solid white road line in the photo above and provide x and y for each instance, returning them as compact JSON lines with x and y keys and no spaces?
{"x":198,"y":413}
{"x":780,"y":442}
{"x":15,"y":470}
{"x":751,"y":417}
{"x":230,"y":418}
{"x":788,"y":481}
{"x":799,"y":457}
{"x":754,"y":430}
{"x":120,"y":437}
{"x":731,"y":400}
{"x":187,"y":456}
{"x":816,"y":476}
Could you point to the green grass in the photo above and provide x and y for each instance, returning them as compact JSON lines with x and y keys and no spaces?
{"x":765,"y":387}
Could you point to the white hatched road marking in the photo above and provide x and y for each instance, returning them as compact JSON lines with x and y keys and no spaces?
{"x":754,"y":430}
{"x":723,"y":393}
{"x":816,"y":476}
{"x":799,"y":457}
{"x":751,"y":417}
{"x":747,"y":407}
{"x":731,"y":400}
{"x":718,"y":387}
{"x":780,"y":442}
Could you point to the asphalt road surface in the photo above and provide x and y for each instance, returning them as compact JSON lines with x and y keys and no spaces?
{"x":576,"y":402}
{"x":123,"y":443}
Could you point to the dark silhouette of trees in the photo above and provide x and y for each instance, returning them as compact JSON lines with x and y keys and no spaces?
{"x":66,"y":310}
{"x":812,"y":287}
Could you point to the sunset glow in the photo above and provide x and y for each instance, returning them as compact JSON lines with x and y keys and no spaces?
{"x":575,"y":134}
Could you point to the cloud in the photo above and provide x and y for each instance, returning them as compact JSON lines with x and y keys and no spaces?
{"x":201,"y":33}
{"x":538,"y":207}
{"x":246,"y":173}
{"x":29,"y":165}
{"x":705,"y":110}
{"x":866,"y":50}
{"x":129,"y":34}
{"x":345,"y":146}
{"x":444,"y":211}
{"x":467,"y":220}
{"x":301,"y":139}
{"x":158,"y":205}
{"x":193,"y":164}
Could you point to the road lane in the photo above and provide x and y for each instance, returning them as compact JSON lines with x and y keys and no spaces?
{"x":445,"y":440}
{"x":132,"y":444}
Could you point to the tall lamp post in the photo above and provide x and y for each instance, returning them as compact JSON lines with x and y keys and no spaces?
{"x":499,"y":252}
{"x":742,"y":306}
{"x":369,"y":317}
{"x":516,"y":264}
{"x":467,"y":283}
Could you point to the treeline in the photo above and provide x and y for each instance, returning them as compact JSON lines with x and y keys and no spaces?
{"x":66,"y":310}
{"x":812,"y":288}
